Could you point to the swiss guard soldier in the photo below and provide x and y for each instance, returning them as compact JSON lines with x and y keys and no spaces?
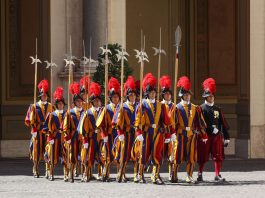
{"x":91,"y":136}
{"x":170,"y":132}
{"x":217,"y":130}
{"x":126,"y":119}
{"x":189,"y":122}
{"x":109,"y":129}
{"x":71,"y":121}
{"x":149,"y":138}
{"x":55,"y":139}
{"x":38,"y":115}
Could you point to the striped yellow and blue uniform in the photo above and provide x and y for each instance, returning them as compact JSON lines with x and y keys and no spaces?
{"x":38,"y":116}
{"x":108,"y":129}
{"x":152,"y":127}
{"x":87,"y":129}
{"x":55,"y":122}
{"x":125,"y":122}
{"x":70,"y":125}
{"x":189,"y":123}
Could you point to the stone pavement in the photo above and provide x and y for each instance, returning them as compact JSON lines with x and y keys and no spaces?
{"x":245,"y":178}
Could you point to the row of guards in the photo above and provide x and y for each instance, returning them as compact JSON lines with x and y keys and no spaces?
{"x":132,"y":126}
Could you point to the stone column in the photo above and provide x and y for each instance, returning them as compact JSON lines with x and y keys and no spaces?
{"x":257,"y":79}
{"x":95,"y":24}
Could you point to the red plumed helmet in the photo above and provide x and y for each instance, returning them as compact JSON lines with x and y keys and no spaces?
{"x":84,"y":83}
{"x":43,"y":87}
{"x":95,"y":91}
{"x":209,"y":87}
{"x":184,"y":84}
{"x":149,"y":83}
{"x":129,"y":86}
{"x":165,"y":84}
{"x":114,"y":86}
{"x":58,"y":95}
{"x":75,"y":90}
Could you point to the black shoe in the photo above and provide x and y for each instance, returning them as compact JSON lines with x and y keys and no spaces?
{"x":142,"y":180}
{"x":159,"y":181}
{"x":71,"y":180}
{"x":200,"y":178}
{"x":51,"y":178}
{"x":219,"y":178}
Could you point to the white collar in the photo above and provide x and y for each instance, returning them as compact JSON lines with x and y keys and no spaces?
{"x":151,"y":101}
{"x":131,"y":103}
{"x":59,"y":111}
{"x":166,"y":102}
{"x":209,"y":104}
{"x":78,"y":109}
{"x":43,"y":102}
{"x":95,"y":108}
{"x":183,"y":102}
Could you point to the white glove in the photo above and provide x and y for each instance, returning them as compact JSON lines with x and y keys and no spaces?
{"x":85,"y":145}
{"x":34,"y":134}
{"x":51,"y":141}
{"x":121,"y":138}
{"x":173,"y":137}
{"x":167,"y":141}
{"x":68,"y":142}
{"x":204,"y":140}
{"x":215,"y":130}
{"x":97,"y":130}
{"x":140,"y":138}
{"x":226,"y":141}
{"x":105,"y":139}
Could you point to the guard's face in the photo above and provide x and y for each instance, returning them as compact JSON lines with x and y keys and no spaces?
{"x":84,"y":96}
{"x":44,"y":97}
{"x":97,"y":103}
{"x":167,"y":96}
{"x":210,"y":99}
{"x":132,"y":97}
{"x":115,"y":99}
{"x":152,"y":95}
{"x":78,"y":103}
{"x":60,"y":105}
{"x":186,"y":97}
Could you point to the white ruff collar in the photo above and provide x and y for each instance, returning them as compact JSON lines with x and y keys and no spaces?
{"x":183,"y":102}
{"x":209,"y":104}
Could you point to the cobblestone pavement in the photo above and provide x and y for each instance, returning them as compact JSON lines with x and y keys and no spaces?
{"x":245,"y":178}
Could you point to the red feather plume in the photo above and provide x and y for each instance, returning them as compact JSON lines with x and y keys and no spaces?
{"x":114,"y":84}
{"x":165,"y":82}
{"x":184,"y":82}
{"x":94,"y":89}
{"x":150,"y":80}
{"x":209,"y":85}
{"x":75,"y":88}
{"x":44,"y":86}
{"x":58,"y":94}
{"x":84,"y":82}
{"x":129,"y":84}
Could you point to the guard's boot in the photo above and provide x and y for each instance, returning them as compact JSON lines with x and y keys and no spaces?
{"x":219,"y":178}
{"x":155,"y":175}
{"x":51,"y":174}
{"x":141,"y":174}
{"x":136,"y":173}
{"x":159,"y":180}
{"x":72,"y":167}
{"x":199,"y":178}
{"x":99,"y":176}
{"x":47,"y":170}
{"x":66,"y":173}
{"x":106,"y":173}
{"x":35,"y":173}
{"x":173,"y":173}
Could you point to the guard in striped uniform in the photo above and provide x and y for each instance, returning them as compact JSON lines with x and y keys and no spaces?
{"x":189,"y":123}
{"x":217,"y":130}
{"x":126,"y":119}
{"x":91,"y":135}
{"x":108,"y":125}
{"x":170,"y":132}
{"x":149,"y":139}
{"x":71,"y":121}
{"x":55,"y":138}
{"x":38,"y":115}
